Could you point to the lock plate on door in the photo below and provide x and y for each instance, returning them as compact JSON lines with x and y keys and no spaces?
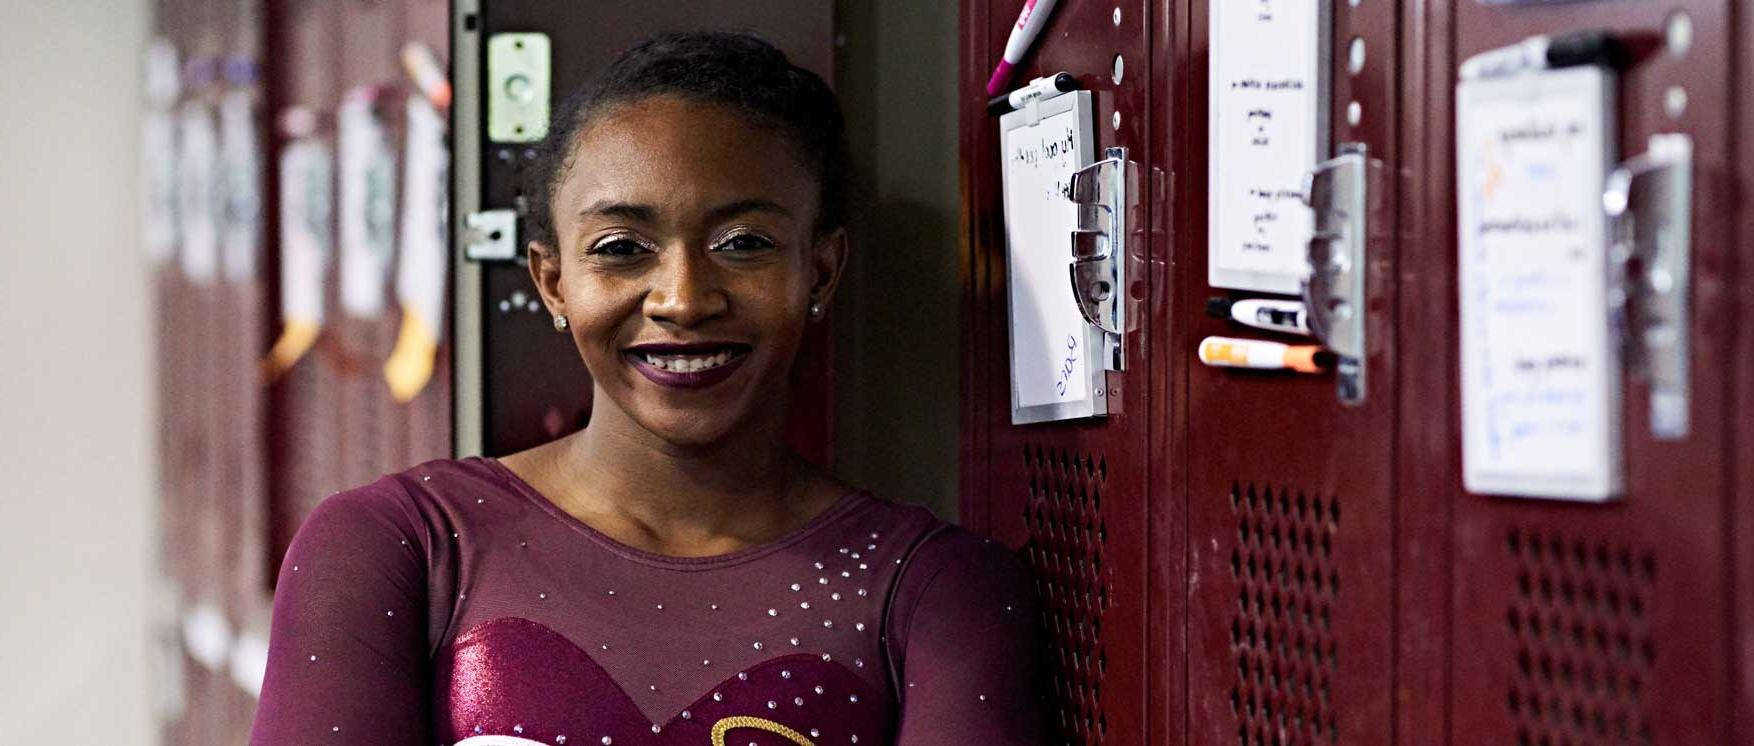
{"x":517,"y":87}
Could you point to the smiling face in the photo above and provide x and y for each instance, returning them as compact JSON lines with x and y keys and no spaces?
{"x":687,"y":262}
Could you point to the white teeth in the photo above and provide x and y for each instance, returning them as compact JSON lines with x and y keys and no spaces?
{"x":686,"y":363}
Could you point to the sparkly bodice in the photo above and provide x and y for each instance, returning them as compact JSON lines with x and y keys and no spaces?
{"x":452,"y":603}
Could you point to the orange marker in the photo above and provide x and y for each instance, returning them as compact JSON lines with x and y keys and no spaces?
{"x":1230,"y":352}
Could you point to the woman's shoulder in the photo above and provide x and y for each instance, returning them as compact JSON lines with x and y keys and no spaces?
{"x":935,"y":545}
{"x":408,"y":501}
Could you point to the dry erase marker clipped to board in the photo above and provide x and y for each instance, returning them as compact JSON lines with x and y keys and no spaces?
{"x":1231,"y":352}
{"x":1041,"y":88}
{"x":1287,"y":316}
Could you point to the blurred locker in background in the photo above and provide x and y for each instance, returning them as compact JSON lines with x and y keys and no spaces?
{"x":276,"y":330}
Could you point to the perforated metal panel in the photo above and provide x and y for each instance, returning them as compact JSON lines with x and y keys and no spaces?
{"x":1282,"y":632}
{"x":1066,"y":547}
{"x":1580,"y":623}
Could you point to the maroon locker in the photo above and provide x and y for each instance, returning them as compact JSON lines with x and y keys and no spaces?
{"x":428,"y":417}
{"x":367,"y":47}
{"x":1609,"y":623}
{"x":1290,"y":492}
{"x":1072,"y":497}
{"x":1741,"y":504}
{"x":305,"y":399}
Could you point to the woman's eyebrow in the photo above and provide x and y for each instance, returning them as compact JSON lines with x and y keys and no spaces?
{"x":738,"y":207}
{"x":621,"y":210}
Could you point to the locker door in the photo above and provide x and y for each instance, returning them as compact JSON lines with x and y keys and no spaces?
{"x":1290,"y":498}
{"x":371,"y":428}
{"x":1072,"y":496}
{"x":518,"y":382}
{"x":305,"y":400}
{"x":1579,"y":623}
{"x":1742,"y":457}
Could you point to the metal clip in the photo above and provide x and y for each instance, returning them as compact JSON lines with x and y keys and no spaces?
{"x":1337,"y":191}
{"x":1107,"y":193}
{"x":1649,"y":201}
{"x":490,"y":236}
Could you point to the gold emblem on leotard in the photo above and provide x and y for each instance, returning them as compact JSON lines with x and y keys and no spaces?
{"x":744,"y":721}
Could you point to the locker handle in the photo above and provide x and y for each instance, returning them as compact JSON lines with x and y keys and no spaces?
{"x":1107,"y":194}
{"x":1649,"y":202}
{"x":1338,"y":192}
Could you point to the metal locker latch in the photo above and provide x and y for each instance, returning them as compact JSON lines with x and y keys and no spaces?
{"x":1649,"y":201}
{"x":491,"y":236}
{"x":1107,"y":193}
{"x":1338,"y":191}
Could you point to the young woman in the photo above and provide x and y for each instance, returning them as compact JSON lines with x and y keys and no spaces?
{"x":671,"y":574}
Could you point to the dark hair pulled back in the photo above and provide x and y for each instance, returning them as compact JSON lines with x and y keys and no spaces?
{"x":734,"y":69}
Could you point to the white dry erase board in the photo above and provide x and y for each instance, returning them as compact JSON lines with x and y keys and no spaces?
{"x":1540,"y":361}
{"x":1268,"y":104}
{"x":1052,"y":347}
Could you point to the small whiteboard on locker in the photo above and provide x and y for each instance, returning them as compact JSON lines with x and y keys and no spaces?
{"x":1540,"y":360}
{"x":1268,"y":127}
{"x":1052,"y":347}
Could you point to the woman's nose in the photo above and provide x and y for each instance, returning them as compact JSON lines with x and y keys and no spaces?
{"x":685,"y":290}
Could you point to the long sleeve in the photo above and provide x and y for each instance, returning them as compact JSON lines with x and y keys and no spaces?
{"x":348,"y":655}
{"x":967,"y":622}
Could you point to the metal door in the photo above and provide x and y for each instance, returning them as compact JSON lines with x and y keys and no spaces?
{"x":1289,"y":496}
{"x":1575,"y":623}
{"x":1074,"y":497}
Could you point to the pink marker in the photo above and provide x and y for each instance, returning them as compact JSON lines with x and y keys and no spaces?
{"x":1029,"y":23}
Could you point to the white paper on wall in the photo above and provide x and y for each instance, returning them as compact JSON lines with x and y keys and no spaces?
{"x":1052,"y":346}
{"x":198,"y":192}
{"x":366,"y":217}
{"x":240,"y":146}
{"x":158,"y":153}
{"x":421,"y":261}
{"x":1540,"y":361}
{"x":1268,"y":128}
{"x":307,"y":198}
{"x":420,"y":271}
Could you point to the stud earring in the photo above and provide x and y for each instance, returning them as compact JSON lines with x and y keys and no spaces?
{"x":560,"y":323}
{"x":816,"y":310}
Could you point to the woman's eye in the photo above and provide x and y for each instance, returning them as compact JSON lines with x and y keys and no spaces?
{"x":618,"y":247}
{"x":745,"y":242}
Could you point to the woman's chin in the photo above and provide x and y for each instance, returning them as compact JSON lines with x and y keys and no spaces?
{"x":690,"y":430}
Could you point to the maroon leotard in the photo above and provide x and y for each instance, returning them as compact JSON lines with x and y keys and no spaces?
{"x":452,"y":603}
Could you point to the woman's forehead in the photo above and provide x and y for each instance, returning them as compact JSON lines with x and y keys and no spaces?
{"x":672,"y":154}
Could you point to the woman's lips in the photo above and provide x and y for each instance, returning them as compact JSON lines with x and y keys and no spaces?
{"x":691,"y":380}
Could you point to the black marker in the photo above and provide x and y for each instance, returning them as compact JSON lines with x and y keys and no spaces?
{"x":1548,"y":52}
{"x":1287,"y":316}
{"x":1042,"y":87}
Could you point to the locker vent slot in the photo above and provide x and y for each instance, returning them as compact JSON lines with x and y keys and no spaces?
{"x":1580,"y":623}
{"x":1067,"y":536}
{"x":1282,"y":632}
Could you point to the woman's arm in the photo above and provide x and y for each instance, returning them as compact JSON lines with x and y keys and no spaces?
{"x":967,"y":624}
{"x":348,"y":656}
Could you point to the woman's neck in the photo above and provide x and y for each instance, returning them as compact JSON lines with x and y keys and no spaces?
{"x":621,"y":479}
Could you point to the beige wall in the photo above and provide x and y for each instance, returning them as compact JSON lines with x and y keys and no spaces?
{"x":76,"y":396}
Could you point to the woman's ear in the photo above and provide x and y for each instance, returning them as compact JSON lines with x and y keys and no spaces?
{"x":827,"y":260}
{"x":545,"y":273}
